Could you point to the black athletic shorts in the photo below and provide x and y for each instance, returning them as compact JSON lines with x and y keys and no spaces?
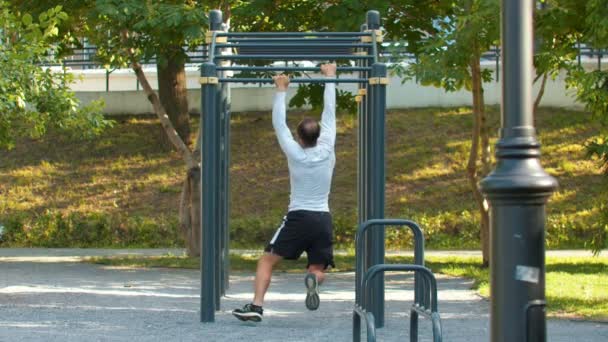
{"x":305,"y":231}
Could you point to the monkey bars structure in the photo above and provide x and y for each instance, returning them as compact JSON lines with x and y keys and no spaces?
{"x":358,"y":52}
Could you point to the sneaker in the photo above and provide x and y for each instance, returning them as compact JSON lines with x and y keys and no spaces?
{"x":312,"y":292}
{"x":249,"y":312}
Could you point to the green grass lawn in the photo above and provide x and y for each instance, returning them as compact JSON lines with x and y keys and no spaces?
{"x":575,"y":287}
{"x":122,"y":189}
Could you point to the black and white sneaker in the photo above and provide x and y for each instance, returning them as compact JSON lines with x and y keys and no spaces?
{"x":249,"y":312}
{"x":312,"y":292}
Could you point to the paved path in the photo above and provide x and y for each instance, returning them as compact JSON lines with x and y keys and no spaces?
{"x":70,"y":301}
{"x":77,"y":254}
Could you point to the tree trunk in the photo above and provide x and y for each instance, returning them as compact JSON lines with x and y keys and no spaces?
{"x":190,"y":199}
{"x":173,"y":94}
{"x":480,"y":134}
{"x":540,"y":94}
{"x":189,"y":212}
{"x":159,"y":110}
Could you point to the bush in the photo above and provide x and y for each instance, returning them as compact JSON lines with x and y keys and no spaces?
{"x":443,"y":230}
{"x":599,"y":239}
{"x":53,"y":229}
{"x":251,"y":232}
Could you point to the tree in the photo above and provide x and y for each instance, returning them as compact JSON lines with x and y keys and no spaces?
{"x":557,"y":31}
{"x":592,"y":90}
{"x":450,"y":58}
{"x":128,"y":33}
{"x":35,"y":98}
{"x":132,"y":32}
{"x":403,"y":20}
{"x":592,"y":86}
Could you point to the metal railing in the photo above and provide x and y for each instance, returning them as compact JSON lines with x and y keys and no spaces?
{"x":86,"y":58}
{"x":425,"y":285}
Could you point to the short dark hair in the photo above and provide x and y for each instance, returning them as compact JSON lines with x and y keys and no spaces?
{"x":309,"y":131}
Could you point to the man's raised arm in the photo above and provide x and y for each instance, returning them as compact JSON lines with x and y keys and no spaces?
{"x":328,"y":118}
{"x":279,"y":121}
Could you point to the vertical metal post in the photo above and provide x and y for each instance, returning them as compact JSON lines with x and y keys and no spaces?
{"x":226,"y":245}
{"x":221,"y":197}
{"x":497,"y":53}
{"x":367,"y":169}
{"x":107,"y":81}
{"x":362,"y":152}
{"x":209,"y":200}
{"x":215,"y":24}
{"x":377,"y":186}
{"x":372,"y":23}
{"x":224,"y":189}
{"x":517,"y":192}
{"x":374,"y":177}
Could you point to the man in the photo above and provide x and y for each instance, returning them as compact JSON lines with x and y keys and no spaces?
{"x":308,"y":225}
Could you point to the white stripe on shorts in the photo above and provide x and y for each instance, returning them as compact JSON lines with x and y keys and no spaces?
{"x":276,"y":234}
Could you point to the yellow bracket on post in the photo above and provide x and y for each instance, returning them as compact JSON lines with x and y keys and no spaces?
{"x":218,"y":40}
{"x":360,"y":94}
{"x":370,"y":39}
{"x":379,"y":80}
{"x":208,"y":80}
{"x":360,"y":53}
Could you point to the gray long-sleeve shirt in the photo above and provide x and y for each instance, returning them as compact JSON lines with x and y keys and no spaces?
{"x":310,"y":169}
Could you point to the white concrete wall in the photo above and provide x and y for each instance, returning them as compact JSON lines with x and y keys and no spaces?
{"x":123,"y":98}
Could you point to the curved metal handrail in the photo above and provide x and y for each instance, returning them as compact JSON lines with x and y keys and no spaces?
{"x":360,"y":252}
{"x":426,"y":274}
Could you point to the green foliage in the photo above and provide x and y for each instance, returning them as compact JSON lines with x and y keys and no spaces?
{"x":557,"y":31}
{"x":447,"y":229}
{"x":243,"y":230}
{"x":592,"y":90}
{"x":409,"y":20}
{"x":91,"y":230}
{"x":403,"y":20}
{"x":465,"y":30}
{"x":599,"y":238}
{"x":596,"y":22}
{"x":599,"y":148}
{"x":33,"y":97}
{"x":591,"y":86}
{"x":312,"y":95}
{"x":162,"y":29}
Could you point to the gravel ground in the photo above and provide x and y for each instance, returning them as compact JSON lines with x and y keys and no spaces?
{"x":71,"y":301}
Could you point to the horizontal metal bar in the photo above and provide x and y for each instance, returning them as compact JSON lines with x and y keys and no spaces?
{"x":293,"y":57}
{"x":304,"y":40}
{"x":295,"y":80}
{"x":295,"y":68}
{"x":298,"y":44}
{"x":80,"y":62}
{"x":293,"y":34}
{"x":308,"y":51}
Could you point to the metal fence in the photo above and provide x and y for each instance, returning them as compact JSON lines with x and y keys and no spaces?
{"x":86,"y":58}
